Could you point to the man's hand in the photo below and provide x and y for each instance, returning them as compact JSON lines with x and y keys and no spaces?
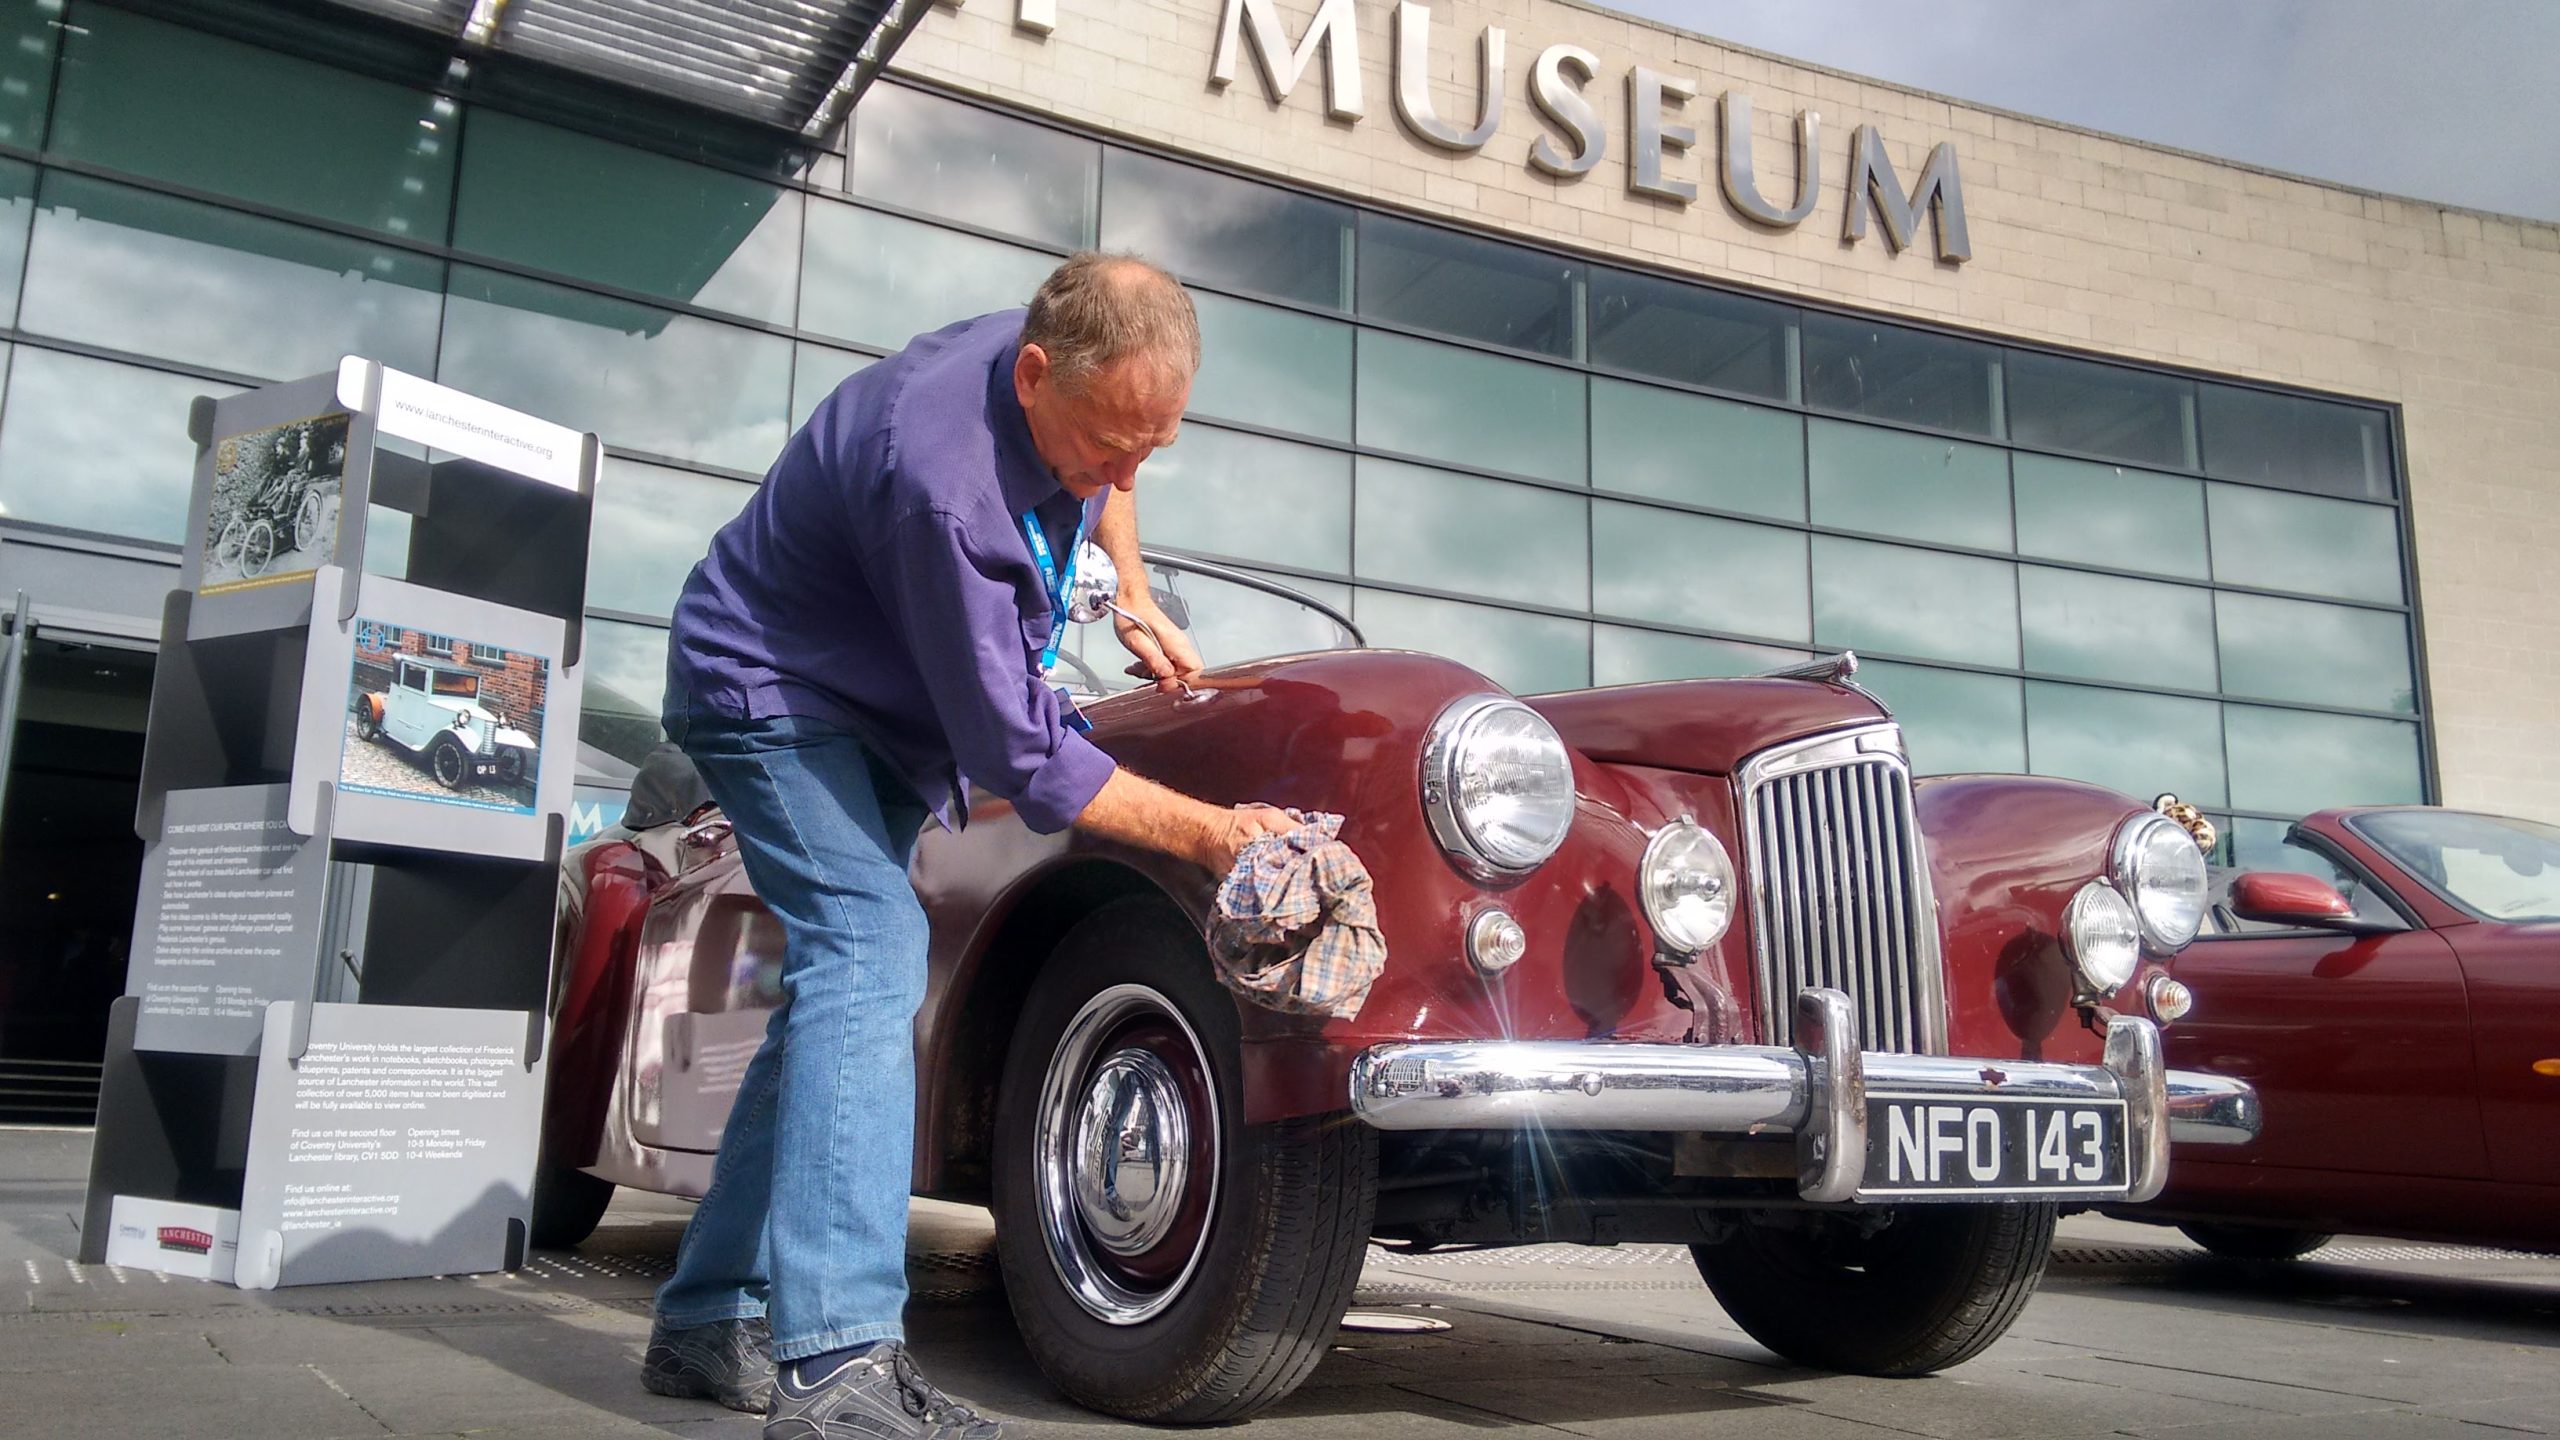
{"x":1241,"y":826}
{"x":1168,"y":656}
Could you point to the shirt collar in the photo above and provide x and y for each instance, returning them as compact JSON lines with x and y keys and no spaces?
{"x":1022,"y":475}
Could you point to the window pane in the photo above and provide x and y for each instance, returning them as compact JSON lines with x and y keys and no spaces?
{"x":1694,"y":570}
{"x":98,"y":446}
{"x":2293,"y":762}
{"x":17,"y":211}
{"x":2099,"y":409}
{"x":883,"y":281}
{"x":1229,"y":493}
{"x":2324,"y":654}
{"x":2106,"y":628}
{"x":27,"y":35}
{"x":2300,"y":542}
{"x":1954,"y":723}
{"x":580,"y":206}
{"x":2109,"y":515}
{"x":1459,"y":532}
{"x":1914,"y":602}
{"x":626,"y":679}
{"x":1684,"y":332}
{"x":643,"y":379}
{"x":135,"y":271}
{"x":2299,"y":443}
{"x":1892,"y":482}
{"x":651,"y":524}
{"x":1525,"y":654}
{"x":175,"y":104}
{"x":1692,"y":448}
{"x":1478,"y":289}
{"x":1227,"y":232}
{"x":940,"y":157}
{"x":1272,"y":367}
{"x":1906,"y":375}
{"x":1623,"y":655}
{"x":2139,"y":744}
{"x":1444,"y":403}
{"x":816,"y":370}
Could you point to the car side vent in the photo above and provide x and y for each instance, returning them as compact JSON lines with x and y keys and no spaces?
{"x":1840,"y":889}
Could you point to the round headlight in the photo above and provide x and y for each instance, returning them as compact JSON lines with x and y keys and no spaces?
{"x":2159,"y":867}
{"x":1687,"y":884}
{"x":2103,"y":937}
{"x":1497,"y":785}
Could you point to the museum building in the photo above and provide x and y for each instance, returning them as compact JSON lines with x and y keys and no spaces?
{"x":1580,"y":348}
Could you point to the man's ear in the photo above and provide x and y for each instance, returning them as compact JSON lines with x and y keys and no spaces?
{"x":1030,"y":372}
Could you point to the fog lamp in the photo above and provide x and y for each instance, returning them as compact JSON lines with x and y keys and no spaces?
{"x":2103,"y":938}
{"x":1687,"y":884}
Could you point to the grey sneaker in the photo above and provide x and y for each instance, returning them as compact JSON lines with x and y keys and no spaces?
{"x":877,"y":1397}
{"x":730,"y":1361}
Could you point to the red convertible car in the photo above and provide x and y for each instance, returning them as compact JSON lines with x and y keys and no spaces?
{"x":1692,"y":962}
{"x":2393,"y":994}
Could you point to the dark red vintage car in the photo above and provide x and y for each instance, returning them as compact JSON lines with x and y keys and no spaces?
{"x":2393,"y":994}
{"x":1692,"y":962}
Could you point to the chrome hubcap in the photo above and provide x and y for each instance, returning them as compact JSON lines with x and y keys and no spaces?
{"x":1132,"y":1154}
{"x":1126,"y":1154}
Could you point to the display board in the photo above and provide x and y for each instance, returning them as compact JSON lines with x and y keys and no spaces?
{"x":230,"y":890}
{"x":328,"y":1061}
{"x":389,"y":1140}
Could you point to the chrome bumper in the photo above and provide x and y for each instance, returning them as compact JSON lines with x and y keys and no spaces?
{"x":1814,"y":1090}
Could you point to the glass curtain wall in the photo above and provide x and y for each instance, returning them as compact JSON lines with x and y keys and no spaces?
{"x":1559,"y":471}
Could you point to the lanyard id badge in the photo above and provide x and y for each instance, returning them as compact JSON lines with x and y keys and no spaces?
{"x":1060,"y":582}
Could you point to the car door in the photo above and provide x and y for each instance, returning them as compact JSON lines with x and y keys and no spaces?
{"x":2514,"y":974}
{"x":2359,"y":1045}
{"x":709,"y":977}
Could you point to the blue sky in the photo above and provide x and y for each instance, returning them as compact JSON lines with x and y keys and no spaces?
{"x":2448,"y":100}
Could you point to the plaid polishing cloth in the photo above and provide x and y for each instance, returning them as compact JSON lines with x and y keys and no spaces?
{"x":1296,"y":927}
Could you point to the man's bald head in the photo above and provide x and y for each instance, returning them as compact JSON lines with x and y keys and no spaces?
{"x":1098,"y":310}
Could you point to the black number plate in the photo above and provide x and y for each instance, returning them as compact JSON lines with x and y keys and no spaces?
{"x":1942,"y":1147}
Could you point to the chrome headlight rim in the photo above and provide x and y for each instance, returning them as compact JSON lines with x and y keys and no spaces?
{"x":1681,"y":831}
{"x":1441,"y":749}
{"x":2080,"y":920}
{"x":2124,"y":869}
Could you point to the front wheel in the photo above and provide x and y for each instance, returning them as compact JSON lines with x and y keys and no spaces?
{"x":450,"y":766}
{"x":568,"y":1204}
{"x":258,"y":548}
{"x":2256,"y":1242}
{"x":1165,"y":1261}
{"x":1930,"y":1287}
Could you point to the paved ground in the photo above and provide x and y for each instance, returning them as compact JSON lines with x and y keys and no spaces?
{"x":2133,"y":1334}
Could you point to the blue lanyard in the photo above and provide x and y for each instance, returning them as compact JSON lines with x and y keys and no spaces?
{"x":1060,"y":583}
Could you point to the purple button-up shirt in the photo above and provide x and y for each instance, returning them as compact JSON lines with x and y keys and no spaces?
{"x":880,"y":580}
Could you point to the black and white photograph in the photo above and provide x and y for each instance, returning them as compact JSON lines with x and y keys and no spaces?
{"x":441,"y":718}
{"x":276,"y":492}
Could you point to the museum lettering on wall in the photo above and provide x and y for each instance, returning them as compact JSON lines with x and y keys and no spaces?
{"x":1564,"y":85}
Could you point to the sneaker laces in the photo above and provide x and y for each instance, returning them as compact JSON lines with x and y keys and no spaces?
{"x":920,"y":1398}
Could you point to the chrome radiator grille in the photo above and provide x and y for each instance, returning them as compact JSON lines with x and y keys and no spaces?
{"x":1840,"y":891}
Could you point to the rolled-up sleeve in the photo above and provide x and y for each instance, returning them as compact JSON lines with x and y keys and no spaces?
{"x":961,"y":622}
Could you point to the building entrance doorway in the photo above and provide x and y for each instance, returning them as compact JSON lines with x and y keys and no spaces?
{"x":70,"y":865}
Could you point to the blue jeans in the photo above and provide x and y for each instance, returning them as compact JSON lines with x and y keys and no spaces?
{"x":808,"y":1200}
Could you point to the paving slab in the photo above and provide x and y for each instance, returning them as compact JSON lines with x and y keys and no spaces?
{"x":2135,"y":1334}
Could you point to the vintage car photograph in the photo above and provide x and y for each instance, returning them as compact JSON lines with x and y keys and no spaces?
{"x":2388,"y":982}
{"x":1696,"y":963}
{"x":275,"y":503}
{"x":442,"y":719}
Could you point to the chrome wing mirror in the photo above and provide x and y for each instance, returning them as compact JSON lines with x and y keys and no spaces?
{"x":1094,"y":595}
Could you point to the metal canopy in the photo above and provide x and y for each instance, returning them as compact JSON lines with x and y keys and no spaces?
{"x":790,"y":65}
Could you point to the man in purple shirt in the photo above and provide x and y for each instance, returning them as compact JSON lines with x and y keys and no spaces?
{"x":864,"y":640}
